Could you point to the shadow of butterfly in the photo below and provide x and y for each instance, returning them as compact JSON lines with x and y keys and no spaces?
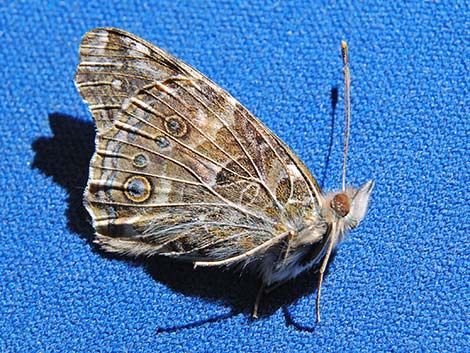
{"x":182,"y":170}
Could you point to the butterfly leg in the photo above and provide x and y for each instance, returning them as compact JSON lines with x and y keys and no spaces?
{"x":286,"y":252}
{"x":260,"y":293}
{"x":322,"y":271}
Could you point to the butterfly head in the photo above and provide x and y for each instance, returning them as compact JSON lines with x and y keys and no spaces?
{"x":348,"y":207}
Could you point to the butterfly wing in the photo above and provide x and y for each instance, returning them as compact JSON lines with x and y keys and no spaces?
{"x":114,"y":64}
{"x":181,"y":168}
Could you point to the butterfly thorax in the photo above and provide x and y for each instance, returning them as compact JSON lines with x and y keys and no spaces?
{"x":305,"y":247}
{"x":301,"y":250}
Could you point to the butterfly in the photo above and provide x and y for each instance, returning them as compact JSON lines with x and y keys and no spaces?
{"x":181,"y":169}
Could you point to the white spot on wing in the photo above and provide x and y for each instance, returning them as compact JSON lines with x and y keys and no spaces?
{"x":117,"y":84}
{"x":294,"y":171}
{"x":142,"y":48}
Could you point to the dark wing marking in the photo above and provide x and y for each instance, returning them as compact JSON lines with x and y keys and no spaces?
{"x":181,"y":168}
{"x":114,"y":64}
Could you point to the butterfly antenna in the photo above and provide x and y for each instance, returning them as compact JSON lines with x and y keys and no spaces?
{"x":347,"y":107}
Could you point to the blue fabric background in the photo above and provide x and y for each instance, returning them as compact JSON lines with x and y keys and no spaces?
{"x":400,"y":282}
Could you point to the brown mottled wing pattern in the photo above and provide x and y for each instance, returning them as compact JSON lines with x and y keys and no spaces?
{"x":181,"y":168}
{"x":114,"y":64}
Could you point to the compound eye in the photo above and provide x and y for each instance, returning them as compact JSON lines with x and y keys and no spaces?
{"x":341,"y":204}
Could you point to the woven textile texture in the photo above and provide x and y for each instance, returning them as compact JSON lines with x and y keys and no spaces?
{"x":399,"y":282}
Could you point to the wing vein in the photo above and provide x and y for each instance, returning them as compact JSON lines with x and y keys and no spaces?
{"x":244,"y":255}
{"x":137,"y":131}
{"x":202,"y":133}
{"x":204,"y":246}
{"x":255,"y":167}
{"x":150,"y":175}
{"x":197,"y":224}
{"x":190,"y":170}
{"x":263,"y":135}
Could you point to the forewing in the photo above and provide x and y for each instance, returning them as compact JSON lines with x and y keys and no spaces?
{"x":185,"y":170}
{"x":114,"y":64}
